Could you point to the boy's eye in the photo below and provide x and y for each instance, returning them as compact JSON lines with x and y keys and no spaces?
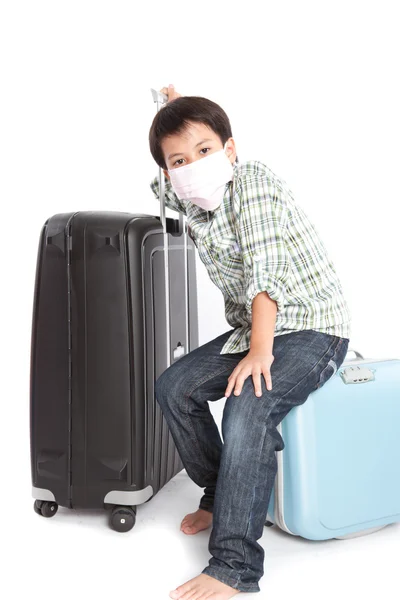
{"x":177,"y":162}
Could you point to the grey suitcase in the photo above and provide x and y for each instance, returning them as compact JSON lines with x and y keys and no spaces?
{"x":115,"y":304}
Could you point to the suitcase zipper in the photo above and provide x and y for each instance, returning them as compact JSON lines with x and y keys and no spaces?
{"x":69,"y":459}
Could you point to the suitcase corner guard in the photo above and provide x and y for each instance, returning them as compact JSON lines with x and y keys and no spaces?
{"x":129,"y":498}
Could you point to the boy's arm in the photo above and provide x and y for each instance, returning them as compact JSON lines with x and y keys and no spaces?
{"x":171,"y":199}
{"x":263,"y":321}
{"x":267,"y":263}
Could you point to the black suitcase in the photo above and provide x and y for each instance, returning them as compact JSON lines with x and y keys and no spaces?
{"x":102,"y":333}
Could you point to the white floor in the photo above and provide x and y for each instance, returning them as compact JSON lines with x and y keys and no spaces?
{"x":76,"y":555}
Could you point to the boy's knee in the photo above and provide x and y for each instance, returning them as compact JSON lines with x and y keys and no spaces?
{"x":166,"y":384}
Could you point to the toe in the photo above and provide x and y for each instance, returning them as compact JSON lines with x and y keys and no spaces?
{"x":179,"y":593}
{"x":187,"y":591}
{"x":187,"y":529}
{"x":190,"y":594}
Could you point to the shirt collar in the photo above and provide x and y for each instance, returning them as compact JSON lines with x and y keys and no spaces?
{"x":229,"y":183}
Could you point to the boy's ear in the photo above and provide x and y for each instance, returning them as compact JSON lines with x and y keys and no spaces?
{"x":231,"y":149}
{"x":166,"y":174}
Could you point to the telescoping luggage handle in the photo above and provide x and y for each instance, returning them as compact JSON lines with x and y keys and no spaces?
{"x":160,"y":99}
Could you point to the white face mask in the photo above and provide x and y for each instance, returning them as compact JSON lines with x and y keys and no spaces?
{"x":203,"y":181}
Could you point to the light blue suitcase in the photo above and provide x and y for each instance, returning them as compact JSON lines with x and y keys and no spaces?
{"x":339,"y":473}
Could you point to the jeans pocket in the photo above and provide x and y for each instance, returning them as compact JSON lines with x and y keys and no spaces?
{"x":334,"y":362}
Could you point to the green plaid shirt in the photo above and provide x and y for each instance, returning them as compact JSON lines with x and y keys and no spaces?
{"x":259,"y":240}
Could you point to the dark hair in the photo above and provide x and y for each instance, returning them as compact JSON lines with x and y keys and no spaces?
{"x":175,"y":117}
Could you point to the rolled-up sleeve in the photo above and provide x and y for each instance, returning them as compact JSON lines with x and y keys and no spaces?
{"x":262,"y":227}
{"x":171,"y":199}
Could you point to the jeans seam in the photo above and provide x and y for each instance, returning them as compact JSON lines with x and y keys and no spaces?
{"x":313,"y":368}
{"x":245,"y":534}
{"x":186,"y":412}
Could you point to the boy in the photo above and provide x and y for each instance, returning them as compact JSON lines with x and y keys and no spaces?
{"x":291,"y":324}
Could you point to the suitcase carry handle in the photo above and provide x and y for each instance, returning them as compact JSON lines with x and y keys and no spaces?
{"x":160,"y":99}
{"x":358,"y":355}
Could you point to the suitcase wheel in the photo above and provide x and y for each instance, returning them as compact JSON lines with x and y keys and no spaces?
{"x":45,"y":508}
{"x":122,"y":518}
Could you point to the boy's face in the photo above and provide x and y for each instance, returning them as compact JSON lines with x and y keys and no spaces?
{"x":194,"y":143}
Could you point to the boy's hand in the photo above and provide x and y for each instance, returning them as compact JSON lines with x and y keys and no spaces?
{"x":251,"y":364}
{"x":170,"y":92}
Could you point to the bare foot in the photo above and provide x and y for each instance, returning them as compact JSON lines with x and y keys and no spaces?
{"x":203,"y":586}
{"x":195,"y":522}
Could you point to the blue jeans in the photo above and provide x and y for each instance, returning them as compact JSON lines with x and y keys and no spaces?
{"x":238,"y":475}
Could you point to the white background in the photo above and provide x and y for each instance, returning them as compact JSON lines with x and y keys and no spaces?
{"x":311,"y":89}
